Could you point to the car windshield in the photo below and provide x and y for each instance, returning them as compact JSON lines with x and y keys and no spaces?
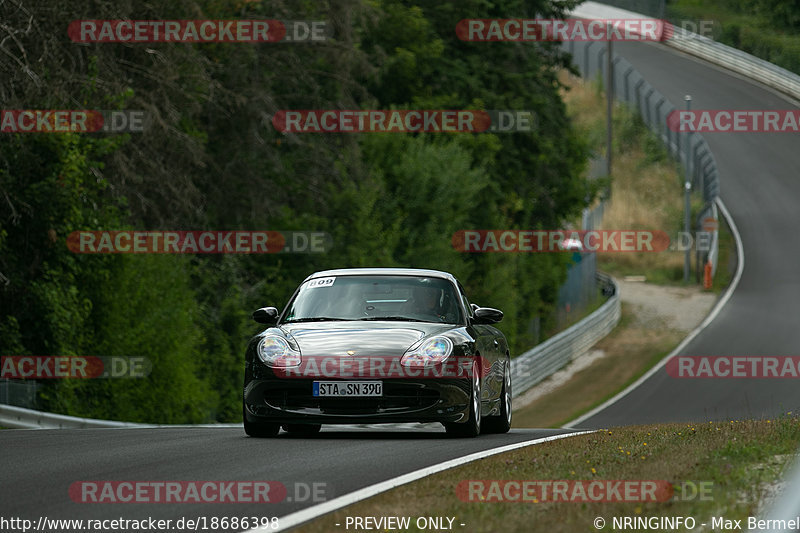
{"x":395,"y":298}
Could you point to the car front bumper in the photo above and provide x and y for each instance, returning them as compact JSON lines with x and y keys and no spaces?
{"x":276,"y":400}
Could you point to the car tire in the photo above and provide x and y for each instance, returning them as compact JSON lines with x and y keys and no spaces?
{"x":472,"y":427}
{"x":502,"y":422}
{"x":302,"y":430}
{"x":259,"y":430}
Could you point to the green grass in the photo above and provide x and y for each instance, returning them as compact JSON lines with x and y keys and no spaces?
{"x":734,"y":462}
{"x":737,"y":459}
{"x":646,"y":177}
{"x":646,"y":186}
{"x":630,"y":351}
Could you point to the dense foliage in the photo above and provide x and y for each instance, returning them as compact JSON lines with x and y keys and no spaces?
{"x":211,"y":159}
{"x":765,"y":28}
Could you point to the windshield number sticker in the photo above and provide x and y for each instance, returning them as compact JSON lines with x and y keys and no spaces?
{"x":321,"y":282}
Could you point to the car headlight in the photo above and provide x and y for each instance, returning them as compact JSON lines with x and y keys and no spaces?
{"x":275,"y":351}
{"x":429,"y":352}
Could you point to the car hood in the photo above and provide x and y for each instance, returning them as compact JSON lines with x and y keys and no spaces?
{"x":366,"y":339}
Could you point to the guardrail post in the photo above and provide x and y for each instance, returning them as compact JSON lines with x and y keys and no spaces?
{"x":586,"y":50}
{"x":627,"y":84}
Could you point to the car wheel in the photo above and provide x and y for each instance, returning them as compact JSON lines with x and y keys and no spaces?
{"x":472,"y":427}
{"x":502,"y":422}
{"x":302,"y":430}
{"x":259,"y":429}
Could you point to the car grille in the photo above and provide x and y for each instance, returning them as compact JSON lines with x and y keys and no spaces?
{"x":396,"y":396}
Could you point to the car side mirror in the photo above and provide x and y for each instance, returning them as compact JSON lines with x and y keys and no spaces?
{"x":266,"y":315}
{"x":487,"y":315}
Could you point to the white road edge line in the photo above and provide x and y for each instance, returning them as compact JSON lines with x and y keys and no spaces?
{"x":304,"y":515}
{"x":300,"y":517}
{"x":696,"y":331}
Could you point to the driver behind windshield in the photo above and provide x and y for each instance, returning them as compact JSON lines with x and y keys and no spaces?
{"x":425,"y":303}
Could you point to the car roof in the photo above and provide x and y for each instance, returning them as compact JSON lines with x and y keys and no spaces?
{"x":419,"y":272}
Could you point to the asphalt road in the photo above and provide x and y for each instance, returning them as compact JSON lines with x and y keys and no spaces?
{"x":760,"y":186}
{"x":40,"y":465}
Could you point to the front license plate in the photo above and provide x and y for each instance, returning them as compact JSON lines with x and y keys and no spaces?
{"x":348,"y":388}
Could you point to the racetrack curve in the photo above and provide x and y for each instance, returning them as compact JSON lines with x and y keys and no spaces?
{"x":760,"y":187}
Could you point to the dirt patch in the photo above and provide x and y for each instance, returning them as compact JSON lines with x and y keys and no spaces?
{"x":680,"y":308}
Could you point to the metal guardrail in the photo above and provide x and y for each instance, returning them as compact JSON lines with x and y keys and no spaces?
{"x":21,"y":418}
{"x":690,"y":148}
{"x":787,"y":506}
{"x":708,"y":49}
{"x":654,"y":108}
{"x":740,"y":62}
{"x":546,"y":358}
{"x":526,"y":370}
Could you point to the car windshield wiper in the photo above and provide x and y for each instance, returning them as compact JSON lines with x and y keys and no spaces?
{"x":394,"y":318}
{"x":313,"y":319}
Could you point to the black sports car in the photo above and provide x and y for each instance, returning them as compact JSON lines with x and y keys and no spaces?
{"x":378,"y":345}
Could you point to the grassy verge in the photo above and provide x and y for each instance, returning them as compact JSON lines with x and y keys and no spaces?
{"x":646,"y":189}
{"x":644,"y":195}
{"x":715,"y":469}
{"x":630,"y":350}
{"x":736,"y":461}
